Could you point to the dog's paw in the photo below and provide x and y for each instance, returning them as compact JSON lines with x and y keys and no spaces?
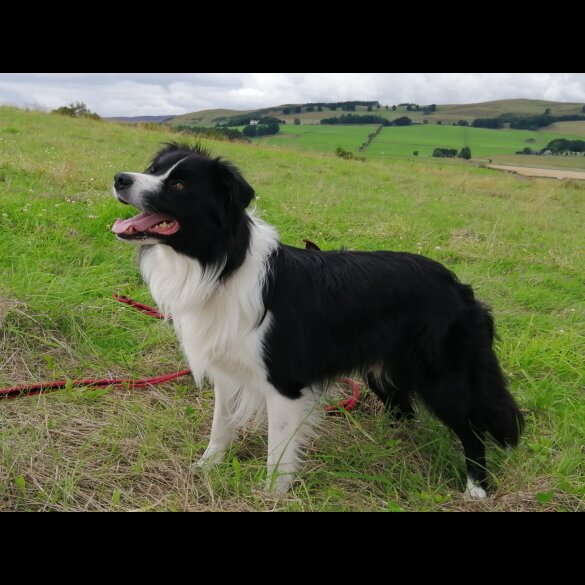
{"x":209,"y":458}
{"x":474,"y":491}
{"x":279,"y":485}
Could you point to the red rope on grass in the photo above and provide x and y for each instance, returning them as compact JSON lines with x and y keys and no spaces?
{"x":348,"y":403}
{"x":34,"y":389}
{"x":140,"y":307}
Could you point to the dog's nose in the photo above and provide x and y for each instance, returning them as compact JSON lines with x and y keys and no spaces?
{"x":122,"y":181}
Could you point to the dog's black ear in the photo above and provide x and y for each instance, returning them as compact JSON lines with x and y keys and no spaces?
{"x":238,"y":190}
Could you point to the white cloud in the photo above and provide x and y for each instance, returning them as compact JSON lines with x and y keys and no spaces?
{"x":131,"y":94}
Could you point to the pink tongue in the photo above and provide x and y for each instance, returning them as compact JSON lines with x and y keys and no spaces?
{"x":140,"y":222}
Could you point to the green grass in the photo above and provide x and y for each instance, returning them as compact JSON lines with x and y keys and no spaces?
{"x":319,"y":138}
{"x":205,"y":117}
{"x":403,"y":141}
{"x":519,"y":242}
{"x":483,"y":142}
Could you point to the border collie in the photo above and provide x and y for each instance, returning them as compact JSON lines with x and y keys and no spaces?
{"x":272,"y":325}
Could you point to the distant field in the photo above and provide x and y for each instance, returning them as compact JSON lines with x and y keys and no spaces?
{"x":402,"y":141}
{"x":320,"y":138}
{"x":574,"y":128}
{"x":447,"y":113}
{"x":204,"y":117}
{"x":481,"y":141}
{"x":575,"y":163}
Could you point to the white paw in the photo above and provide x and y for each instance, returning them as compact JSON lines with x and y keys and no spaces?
{"x":209,"y":458}
{"x":280,"y":484}
{"x":474,"y":491}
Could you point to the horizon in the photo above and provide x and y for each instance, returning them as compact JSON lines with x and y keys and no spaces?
{"x":170,"y":94}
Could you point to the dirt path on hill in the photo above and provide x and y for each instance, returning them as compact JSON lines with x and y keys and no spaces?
{"x":532,"y":172}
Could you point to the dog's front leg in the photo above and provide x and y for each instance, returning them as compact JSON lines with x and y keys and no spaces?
{"x":224,"y":427}
{"x":289,"y":424}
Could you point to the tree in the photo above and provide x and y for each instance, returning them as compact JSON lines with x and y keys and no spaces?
{"x":249,"y":131}
{"x":393,"y":108}
{"x":425,"y":121}
{"x":583,"y":110}
{"x":310,"y":108}
{"x":298,"y":110}
{"x":445,"y":152}
{"x":369,"y":108}
{"x":462,"y":123}
{"x":465,"y":153}
{"x":387,"y":107}
{"x":286,"y":111}
{"x":403,"y":121}
{"x":319,"y":109}
{"x":439,"y":122}
{"x":297,"y":122}
{"x":415,"y":153}
{"x":76,"y":110}
{"x":377,"y":106}
{"x":547,"y":111}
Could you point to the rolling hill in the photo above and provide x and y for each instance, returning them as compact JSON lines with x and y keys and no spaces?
{"x":446,"y":113}
{"x":137,"y":119}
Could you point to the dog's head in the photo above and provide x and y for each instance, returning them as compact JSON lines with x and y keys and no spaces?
{"x":188,"y":200}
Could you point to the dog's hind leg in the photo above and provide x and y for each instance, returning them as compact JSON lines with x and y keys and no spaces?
{"x":224,"y":426}
{"x":289,"y":425}
{"x":397,"y":401}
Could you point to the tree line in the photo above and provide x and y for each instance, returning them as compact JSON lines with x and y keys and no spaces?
{"x":366,"y":119}
{"x":333,"y":106}
{"x":218,"y":133}
{"x":452,"y":152}
{"x":261,"y":129}
{"x":557,"y":146}
{"x":526,"y":122}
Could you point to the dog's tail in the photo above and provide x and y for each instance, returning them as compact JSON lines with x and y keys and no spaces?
{"x":494,"y":409}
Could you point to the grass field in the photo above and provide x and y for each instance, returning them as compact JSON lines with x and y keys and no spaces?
{"x":575,"y":163}
{"x":319,"y":138}
{"x":403,"y":141}
{"x":576,"y":129}
{"x":519,"y":242}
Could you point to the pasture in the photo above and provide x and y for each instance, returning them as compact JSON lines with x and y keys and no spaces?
{"x":519,"y":242}
{"x":403,"y":141}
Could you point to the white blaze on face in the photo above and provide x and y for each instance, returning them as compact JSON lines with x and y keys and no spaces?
{"x":142,"y":184}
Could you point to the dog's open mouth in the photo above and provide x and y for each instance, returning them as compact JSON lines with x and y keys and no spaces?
{"x":145,"y":225}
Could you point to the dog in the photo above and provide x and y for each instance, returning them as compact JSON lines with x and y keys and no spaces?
{"x":272,"y":325}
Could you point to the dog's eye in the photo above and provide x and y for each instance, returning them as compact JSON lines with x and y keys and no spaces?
{"x":177,"y":185}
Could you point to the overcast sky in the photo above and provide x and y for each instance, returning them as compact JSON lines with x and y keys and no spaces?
{"x":134,"y":94}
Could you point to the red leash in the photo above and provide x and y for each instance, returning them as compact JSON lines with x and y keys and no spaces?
{"x":33,"y":389}
{"x":140,"y":307}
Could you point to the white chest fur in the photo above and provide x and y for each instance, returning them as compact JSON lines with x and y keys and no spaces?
{"x":218,"y":323}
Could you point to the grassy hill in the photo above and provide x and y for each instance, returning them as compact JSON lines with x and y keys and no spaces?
{"x":519,"y":242}
{"x":403,"y":141}
{"x":567,"y":128}
{"x":447,"y":113}
{"x":206,"y":118}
